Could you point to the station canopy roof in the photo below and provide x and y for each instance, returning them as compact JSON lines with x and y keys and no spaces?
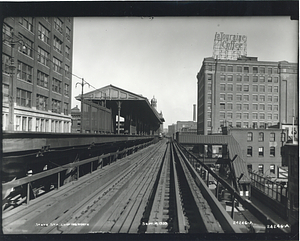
{"x":130,"y":103}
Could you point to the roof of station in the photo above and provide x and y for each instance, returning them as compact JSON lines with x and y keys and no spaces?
{"x":233,"y":146}
{"x":131,"y":102}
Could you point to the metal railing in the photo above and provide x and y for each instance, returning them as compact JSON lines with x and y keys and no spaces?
{"x":272,"y":189}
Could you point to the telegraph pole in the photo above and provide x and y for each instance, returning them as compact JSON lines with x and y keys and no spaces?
{"x":81,"y":113}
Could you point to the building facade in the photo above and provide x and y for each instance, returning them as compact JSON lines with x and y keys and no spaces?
{"x":245,"y":93}
{"x":76,"y":120}
{"x":36,"y":74}
{"x":261,"y":148}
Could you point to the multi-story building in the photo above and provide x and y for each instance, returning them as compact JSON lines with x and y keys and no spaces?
{"x":76,"y":120}
{"x":245,"y":93}
{"x":36,"y":74}
{"x":260,"y":148}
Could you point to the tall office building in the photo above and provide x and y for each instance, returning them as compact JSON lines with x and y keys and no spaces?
{"x":36,"y":74}
{"x":246,"y":93}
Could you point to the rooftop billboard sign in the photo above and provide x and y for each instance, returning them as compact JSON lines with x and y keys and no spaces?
{"x":229,"y":46}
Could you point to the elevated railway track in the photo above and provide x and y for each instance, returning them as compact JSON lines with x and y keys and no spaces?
{"x":150,"y":191}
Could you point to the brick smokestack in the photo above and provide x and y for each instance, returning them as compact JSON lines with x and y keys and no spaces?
{"x":194,"y":112}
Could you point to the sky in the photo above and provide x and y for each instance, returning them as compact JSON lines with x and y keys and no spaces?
{"x":161,"y":56}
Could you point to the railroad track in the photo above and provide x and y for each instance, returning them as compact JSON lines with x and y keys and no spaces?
{"x":150,"y":191}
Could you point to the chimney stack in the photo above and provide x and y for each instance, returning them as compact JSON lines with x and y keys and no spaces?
{"x":194,"y":112}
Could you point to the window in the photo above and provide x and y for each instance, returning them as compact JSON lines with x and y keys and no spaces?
{"x":261,"y":136}
{"x":66,"y":90}
{"x":238,"y":78}
{"x":249,"y":151}
{"x":246,"y":69}
{"x":246,"y":116}
{"x":239,"y":106}
{"x":261,"y":116}
{"x":255,"y":70}
{"x":249,"y":136}
{"x":56,"y":108}
{"x":260,"y":151}
{"x":255,"y":97}
{"x":246,"y":124}
{"x":262,"y":88}
{"x":270,"y":79}
{"x":238,"y":87}
{"x":246,"y":88}
{"x":58,"y":25}
{"x":238,"y":115}
{"x":209,"y":97}
{"x":222,"y":78}
{"x":23,"y":98}
{"x":67,"y":52}
{"x":275,"y":98}
{"x":57,"y":44}
{"x":221,"y":123}
{"x":261,"y":79}
{"x":272,"y":151}
{"x":222,"y":106}
{"x":229,"y":97}
{"x":275,"y":107}
{"x":223,"y":68}
{"x":66,"y":108}
{"x":68,"y":33}
{"x":42,"y":79}
{"x":261,"y":168}
{"x":246,"y":78}
{"x":238,"y":97}
{"x":57,"y":65}
{"x":269,"y":108}
{"x":269,"y":70}
{"x":246,"y":97}
{"x":254,"y":116}
{"x":230,"y":87}
{"x":41,"y":102}
{"x":26,"y":23}
{"x":275,"y":70}
{"x":272,"y":168}
{"x":249,"y":167}
{"x":222,"y":96}
{"x":272,"y":137}
{"x":7,"y":34}
{"x":239,"y":69}
{"x":222,"y":87}
{"x":26,"y":47}
{"x":43,"y":57}
{"x":238,"y":124}
{"x":209,"y":123}
{"x":269,"y":98}
{"x":261,"y":107}
{"x":209,"y":67}
{"x":5,"y":93}
{"x":255,"y":106}
{"x":6,"y":61}
{"x":24,"y":72}
{"x":275,"y":79}
{"x":262,"y":70}
{"x":67,"y":73}
{"x":209,"y":77}
{"x":56,"y":85}
{"x":229,"y":115}
{"x":276,"y":89}
{"x":230,"y":68}
{"x":43,"y":34}
{"x":222,"y":115}
{"x":229,"y":106}
{"x":246,"y":106}
{"x":255,"y":78}
{"x":262,"y":98}
{"x":209,"y":114}
{"x":229,"y":77}
{"x":255,"y":88}
{"x":269,"y":88}
{"x":275,"y":116}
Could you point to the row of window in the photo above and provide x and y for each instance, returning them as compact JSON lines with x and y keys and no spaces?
{"x":261,"y":136}
{"x":246,"y":88}
{"x":43,"y":32}
{"x":244,"y":69}
{"x":260,"y":151}
{"x":24,"y":98}
{"x":245,"y":78}
{"x":239,"y":106}
{"x":245,"y":97}
{"x":239,"y":124}
{"x":245,"y":116}
{"x":25,"y":123}
{"x":261,"y":168}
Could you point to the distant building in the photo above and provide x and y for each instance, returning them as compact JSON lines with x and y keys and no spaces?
{"x":172,"y":130}
{"x":36,"y":74}
{"x":186,"y":126}
{"x":246,"y":93}
{"x":76,"y":119}
{"x":260,"y":147}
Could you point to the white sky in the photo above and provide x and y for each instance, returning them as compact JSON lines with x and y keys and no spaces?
{"x":161,"y":56}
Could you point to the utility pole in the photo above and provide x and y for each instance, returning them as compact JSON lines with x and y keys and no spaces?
{"x":81,"y":113}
